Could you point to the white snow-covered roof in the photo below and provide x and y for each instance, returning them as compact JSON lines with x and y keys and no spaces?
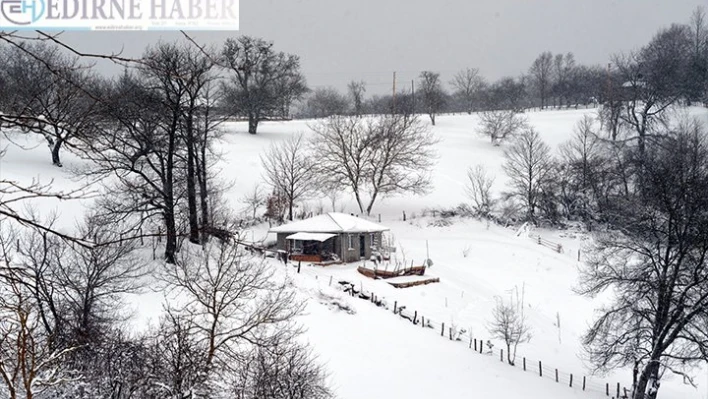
{"x":331,"y":223}
{"x":321,"y":237}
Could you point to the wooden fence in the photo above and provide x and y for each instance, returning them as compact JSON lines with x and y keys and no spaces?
{"x":486,"y":347}
{"x":547,"y":243}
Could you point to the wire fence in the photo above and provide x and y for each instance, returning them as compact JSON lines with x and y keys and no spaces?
{"x":484,"y":347}
{"x":487,"y":347}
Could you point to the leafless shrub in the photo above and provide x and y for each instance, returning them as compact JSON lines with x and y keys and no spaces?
{"x":287,"y":370}
{"x":499,"y":125}
{"x":255,"y":200}
{"x":510,"y":325}
{"x":479,"y":190}
{"x":289,"y":170}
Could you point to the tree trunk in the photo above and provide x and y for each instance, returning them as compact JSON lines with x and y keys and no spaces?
{"x":201,"y":164}
{"x":169,"y":199}
{"x":371,"y":202}
{"x":56,"y":147}
{"x":290,"y":210}
{"x":252,"y":123}
{"x":358,"y":201}
{"x":171,"y":235}
{"x":649,"y":374}
{"x":191,"y":183}
{"x":203,"y":197}
{"x":432,"y":118}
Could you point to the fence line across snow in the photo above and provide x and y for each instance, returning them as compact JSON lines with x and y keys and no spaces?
{"x":481,"y":346}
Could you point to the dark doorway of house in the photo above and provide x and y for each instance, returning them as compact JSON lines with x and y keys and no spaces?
{"x":362,"y":246}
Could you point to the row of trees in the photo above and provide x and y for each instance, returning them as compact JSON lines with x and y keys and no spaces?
{"x":678,"y":55}
{"x":148,"y":133}
{"x":228,"y":330}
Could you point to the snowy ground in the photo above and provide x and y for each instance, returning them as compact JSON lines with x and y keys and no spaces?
{"x":373,"y":353}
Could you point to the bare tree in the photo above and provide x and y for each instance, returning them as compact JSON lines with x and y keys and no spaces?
{"x":261,"y":79}
{"x":432,"y":93}
{"x":289,"y":170}
{"x":357,"y":89}
{"x":528,"y":163}
{"x":541,"y":71}
{"x":653,"y":81}
{"x":29,"y":364}
{"x":48,"y":102}
{"x":467,"y":84}
{"x":345,"y":150}
{"x":286,"y":370}
{"x":654,"y":262}
{"x":232,"y":299}
{"x":255,"y":200}
{"x":325,"y":102}
{"x":501,"y":124}
{"x":479,"y":190}
{"x":509,"y":324}
{"x":386,"y":155}
{"x":403,"y":157}
{"x":697,"y":79}
{"x":563,"y":71}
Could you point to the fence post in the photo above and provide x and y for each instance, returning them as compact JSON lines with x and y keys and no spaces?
{"x":618,"y":390}
{"x":415,"y":317}
{"x":556,"y":375}
{"x":571,"y":380}
{"x":422,"y":321}
{"x":442,"y":330}
{"x":540,"y":369}
{"x":480,"y":346}
{"x":501,"y":355}
{"x":607,"y":388}
{"x":450,"y":333}
{"x":524,"y":364}
{"x":475,"y":344}
{"x":299,"y":263}
{"x":395,"y":307}
{"x":330,"y":280}
{"x":470,"y":342}
{"x":379,"y":218}
{"x":583,"y":383}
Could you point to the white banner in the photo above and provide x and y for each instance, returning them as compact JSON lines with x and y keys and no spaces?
{"x":119,"y":14}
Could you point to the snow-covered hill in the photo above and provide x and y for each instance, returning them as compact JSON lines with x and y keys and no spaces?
{"x":372,"y":353}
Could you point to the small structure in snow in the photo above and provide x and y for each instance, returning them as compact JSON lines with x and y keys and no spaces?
{"x":330,"y":237}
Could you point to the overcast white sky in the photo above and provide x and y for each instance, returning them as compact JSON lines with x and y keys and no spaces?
{"x":341,"y":40}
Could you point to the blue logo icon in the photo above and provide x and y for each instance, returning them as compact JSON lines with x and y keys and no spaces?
{"x":22,"y":12}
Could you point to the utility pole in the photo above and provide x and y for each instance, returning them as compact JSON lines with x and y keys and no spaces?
{"x":393,"y":109}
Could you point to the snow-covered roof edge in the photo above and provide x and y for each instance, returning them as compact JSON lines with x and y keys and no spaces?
{"x":331,"y":223}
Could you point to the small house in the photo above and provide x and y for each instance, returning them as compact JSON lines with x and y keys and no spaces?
{"x":330,"y":237}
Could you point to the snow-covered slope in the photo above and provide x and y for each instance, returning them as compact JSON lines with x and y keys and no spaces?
{"x":374,"y":354}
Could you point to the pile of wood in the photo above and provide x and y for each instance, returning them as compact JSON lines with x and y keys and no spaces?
{"x":386,"y":274}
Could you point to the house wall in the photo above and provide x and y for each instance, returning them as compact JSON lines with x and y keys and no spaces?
{"x":341,"y":245}
{"x":353,"y":254}
{"x":282,"y":242}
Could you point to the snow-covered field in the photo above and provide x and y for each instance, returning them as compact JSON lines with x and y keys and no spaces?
{"x":374,"y":354}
